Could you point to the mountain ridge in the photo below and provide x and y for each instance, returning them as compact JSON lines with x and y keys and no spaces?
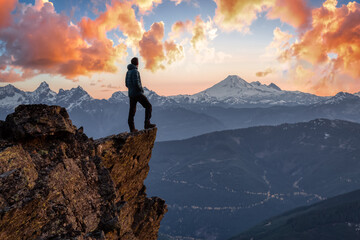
{"x":331,"y":219}
{"x":188,"y":116}
{"x":226,"y":92}
{"x":232,"y":180}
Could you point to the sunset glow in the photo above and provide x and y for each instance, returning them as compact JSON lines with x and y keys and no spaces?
{"x":184,"y":46}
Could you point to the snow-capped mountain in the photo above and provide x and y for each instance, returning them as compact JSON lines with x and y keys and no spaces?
{"x":342,"y":97}
{"x":10,"y":97}
{"x":230,"y":104}
{"x":42,"y":94}
{"x":72,"y":98}
{"x":231,"y":92}
{"x":235,"y":91}
{"x":118,"y":97}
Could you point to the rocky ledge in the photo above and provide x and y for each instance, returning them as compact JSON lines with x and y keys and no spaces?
{"x":56,"y":183}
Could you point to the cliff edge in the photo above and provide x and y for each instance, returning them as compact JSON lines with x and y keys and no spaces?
{"x":56,"y":183}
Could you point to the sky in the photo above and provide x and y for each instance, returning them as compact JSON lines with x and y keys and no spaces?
{"x":184,"y":46}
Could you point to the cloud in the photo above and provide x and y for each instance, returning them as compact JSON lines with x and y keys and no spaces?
{"x":237,"y":15}
{"x":199,"y":33}
{"x":177,"y":2}
{"x":264,"y":73}
{"x":7,"y":6}
{"x":42,"y":40}
{"x":13,"y":74}
{"x":232,"y":15}
{"x":151,"y":47}
{"x":146,"y":5}
{"x":174,"y":52}
{"x":120,"y":15}
{"x":281,"y":44}
{"x":334,"y":31}
{"x":324,"y":57}
{"x":295,"y":12}
{"x":180,"y":27}
{"x":39,"y":4}
{"x":202,"y":32}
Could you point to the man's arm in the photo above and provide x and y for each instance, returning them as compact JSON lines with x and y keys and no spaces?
{"x":127,"y":80}
{"x":138,"y":82}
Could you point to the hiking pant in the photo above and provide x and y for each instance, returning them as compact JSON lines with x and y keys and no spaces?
{"x":145,"y":103}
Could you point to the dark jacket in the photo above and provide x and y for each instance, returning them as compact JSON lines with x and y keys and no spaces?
{"x":133,"y":81}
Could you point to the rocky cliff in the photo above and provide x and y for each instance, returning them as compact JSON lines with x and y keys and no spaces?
{"x":56,"y":183}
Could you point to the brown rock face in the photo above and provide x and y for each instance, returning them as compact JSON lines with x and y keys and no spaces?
{"x":55,"y":183}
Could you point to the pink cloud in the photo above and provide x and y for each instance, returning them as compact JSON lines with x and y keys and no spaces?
{"x":7,"y":6}
{"x":151,"y":47}
{"x":295,"y":12}
{"x":49,"y":44}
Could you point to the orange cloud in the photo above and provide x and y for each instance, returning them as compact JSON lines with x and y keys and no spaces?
{"x":180,"y":27}
{"x":202,"y":31}
{"x":329,"y":48}
{"x":50,"y":45}
{"x":151,"y":47}
{"x":174,"y":51}
{"x":39,"y":4}
{"x":6,"y":7}
{"x":264,"y":73}
{"x":238,"y":15}
{"x":199,"y":33}
{"x":12,"y":74}
{"x":282,"y":45}
{"x":146,"y":5}
{"x":120,"y":15}
{"x":294,"y":12}
{"x":334,"y":31}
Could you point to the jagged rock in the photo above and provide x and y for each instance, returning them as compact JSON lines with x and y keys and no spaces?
{"x":55,"y":183}
{"x":39,"y":120}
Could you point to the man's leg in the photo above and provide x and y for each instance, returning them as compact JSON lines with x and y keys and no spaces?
{"x":132,"y":111}
{"x":148,"y":110}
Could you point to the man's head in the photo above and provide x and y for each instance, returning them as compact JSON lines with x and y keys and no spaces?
{"x":135,"y":61}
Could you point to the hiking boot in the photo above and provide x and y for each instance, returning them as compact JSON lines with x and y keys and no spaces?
{"x":134,"y":130}
{"x":149,"y":125}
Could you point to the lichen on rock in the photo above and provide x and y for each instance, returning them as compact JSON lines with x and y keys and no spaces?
{"x":56,"y":183}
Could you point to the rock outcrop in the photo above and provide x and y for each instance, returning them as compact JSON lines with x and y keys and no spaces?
{"x":56,"y":183}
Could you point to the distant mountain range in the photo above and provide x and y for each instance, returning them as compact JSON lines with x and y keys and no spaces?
{"x":231,"y":92}
{"x":231,"y":103}
{"x":236,"y":92}
{"x":332,"y":219}
{"x":219,"y":184}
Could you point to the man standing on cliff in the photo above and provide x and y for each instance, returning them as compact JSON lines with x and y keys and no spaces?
{"x":136,"y":94}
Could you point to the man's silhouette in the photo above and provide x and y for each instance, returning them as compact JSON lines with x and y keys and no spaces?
{"x":136,"y":94}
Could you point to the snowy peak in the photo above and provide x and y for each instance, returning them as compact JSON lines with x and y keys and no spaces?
{"x":44,"y":86}
{"x":156,"y":99}
{"x":150,"y":93}
{"x":274,"y":86}
{"x":235,"y":91}
{"x":10,"y":97}
{"x":118,"y":97}
{"x":74,"y":92}
{"x":8,"y":90}
{"x":235,"y":87}
{"x":341,"y":97}
{"x":42,"y":94}
{"x":232,"y":81}
{"x":73,"y":95}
